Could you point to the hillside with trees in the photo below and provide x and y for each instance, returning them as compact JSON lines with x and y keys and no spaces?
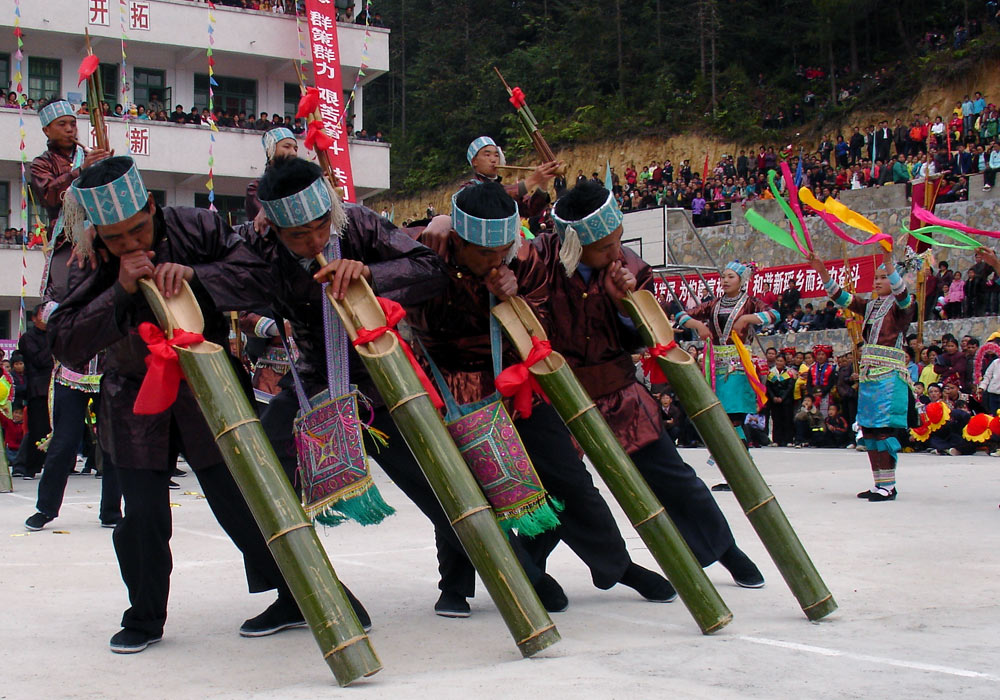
{"x":725,"y":69}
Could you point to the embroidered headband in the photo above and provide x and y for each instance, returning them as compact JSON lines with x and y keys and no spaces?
{"x":740,"y":269}
{"x":271,"y":138}
{"x":103,"y":205}
{"x":478,"y":145}
{"x":488,"y":233}
{"x":828,"y":349}
{"x":53,"y":110}
{"x":593,"y":227}
{"x":300,"y":208}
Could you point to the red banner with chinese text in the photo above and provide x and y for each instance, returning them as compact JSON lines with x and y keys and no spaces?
{"x":862,"y":270}
{"x":322,"y":18}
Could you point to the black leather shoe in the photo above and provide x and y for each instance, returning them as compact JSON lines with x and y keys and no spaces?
{"x":129,"y":641}
{"x":452,"y":605}
{"x":882,"y":495}
{"x":282,"y":614}
{"x":650,"y":585}
{"x":745,"y":573}
{"x":866,"y":495}
{"x":551,"y":594}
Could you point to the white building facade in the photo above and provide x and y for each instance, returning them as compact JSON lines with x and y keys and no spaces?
{"x":254,"y":54}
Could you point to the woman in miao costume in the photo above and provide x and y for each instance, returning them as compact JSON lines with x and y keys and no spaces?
{"x":884,"y":393}
{"x":715,"y":322}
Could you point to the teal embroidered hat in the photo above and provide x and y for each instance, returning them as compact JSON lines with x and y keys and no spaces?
{"x":271,"y":138}
{"x":488,"y":233}
{"x":300,"y":208}
{"x":53,"y":110}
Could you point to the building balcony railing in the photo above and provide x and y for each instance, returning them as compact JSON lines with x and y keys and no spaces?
{"x":175,"y":157}
{"x":180,"y":27}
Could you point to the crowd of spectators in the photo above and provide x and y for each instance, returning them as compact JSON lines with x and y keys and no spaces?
{"x":224,"y":119}
{"x":345,"y":9}
{"x":876,"y":156}
{"x":813,"y":397}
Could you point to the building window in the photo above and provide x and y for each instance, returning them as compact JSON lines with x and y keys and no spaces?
{"x":292,"y":95}
{"x":231,"y":207}
{"x":44,"y":78}
{"x":147,"y":82}
{"x":5,"y":324}
{"x":5,"y":72}
{"x":4,"y":205}
{"x":109,"y":73}
{"x":233,"y":95}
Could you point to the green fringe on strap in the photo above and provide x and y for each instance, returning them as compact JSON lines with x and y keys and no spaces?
{"x":366,"y":508}
{"x":536,"y":520}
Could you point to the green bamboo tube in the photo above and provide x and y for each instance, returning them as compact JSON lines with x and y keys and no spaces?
{"x":751,"y":491}
{"x":250,"y":458}
{"x":616,"y":468}
{"x":444,"y":467}
{"x":6,"y":485}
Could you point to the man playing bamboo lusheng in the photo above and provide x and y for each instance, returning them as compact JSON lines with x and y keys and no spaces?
{"x":454,"y":328}
{"x":135,"y":240}
{"x":589,"y":273}
{"x":72,"y":387}
{"x":485,"y":157}
{"x":884,"y":394}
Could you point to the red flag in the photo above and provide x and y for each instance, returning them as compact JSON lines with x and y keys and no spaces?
{"x":87,"y":68}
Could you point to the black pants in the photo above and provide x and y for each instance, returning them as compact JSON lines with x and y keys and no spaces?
{"x":38,"y":428}
{"x":782,"y":417}
{"x":687,"y":500}
{"x":586,"y":522}
{"x":142,"y":540}
{"x":458,"y":576}
{"x":69,"y":418}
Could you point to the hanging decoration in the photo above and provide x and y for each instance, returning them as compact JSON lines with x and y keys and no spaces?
{"x":126,"y":107}
{"x":19,"y":87}
{"x":210,"y":185}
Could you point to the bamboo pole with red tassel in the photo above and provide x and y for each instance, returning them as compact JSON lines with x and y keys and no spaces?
{"x":88,"y":71}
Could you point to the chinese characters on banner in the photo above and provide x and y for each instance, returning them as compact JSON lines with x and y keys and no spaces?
{"x":93,"y":135}
{"x":138,"y":139}
{"x":321,"y":15}
{"x":862,"y":270}
{"x":98,"y":12}
{"x":138,"y":16}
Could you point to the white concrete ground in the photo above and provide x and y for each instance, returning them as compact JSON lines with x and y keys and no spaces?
{"x":918,"y":582}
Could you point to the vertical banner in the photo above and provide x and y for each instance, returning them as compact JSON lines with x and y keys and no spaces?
{"x":321,"y":16}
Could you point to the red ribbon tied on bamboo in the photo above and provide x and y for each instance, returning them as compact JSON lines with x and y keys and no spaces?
{"x":308,"y":103}
{"x":517,"y":98}
{"x":519,"y":382}
{"x":316,"y":137}
{"x":651,"y":368}
{"x":394,"y":313}
{"x":163,"y":370}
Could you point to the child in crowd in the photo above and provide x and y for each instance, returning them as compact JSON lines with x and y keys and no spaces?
{"x":808,"y":424}
{"x":13,"y":429}
{"x":838,"y":433}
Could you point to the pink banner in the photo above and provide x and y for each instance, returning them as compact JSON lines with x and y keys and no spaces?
{"x":321,"y":15}
{"x":862,"y":270}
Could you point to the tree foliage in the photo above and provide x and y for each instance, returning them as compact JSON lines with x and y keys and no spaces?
{"x":592,"y":70}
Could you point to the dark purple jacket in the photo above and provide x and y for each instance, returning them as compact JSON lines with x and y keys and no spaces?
{"x":98,"y":314}
{"x":402,"y":270}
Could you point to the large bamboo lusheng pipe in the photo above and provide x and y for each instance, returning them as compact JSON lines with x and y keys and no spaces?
{"x":633,"y":494}
{"x":94,"y":94}
{"x":250,"y":458}
{"x":754,"y":496}
{"x":446,"y":472}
